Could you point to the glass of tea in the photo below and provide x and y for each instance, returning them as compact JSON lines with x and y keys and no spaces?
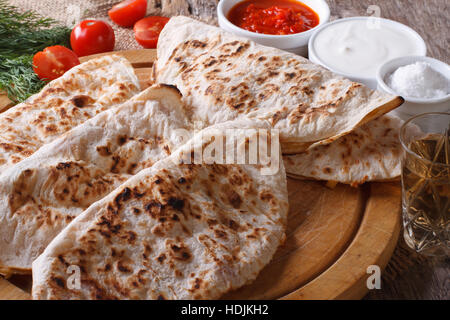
{"x":426,"y":183}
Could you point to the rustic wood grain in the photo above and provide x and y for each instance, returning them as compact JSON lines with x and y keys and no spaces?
{"x":372,"y":245}
{"x":322,"y":222}
{"x":427,"y":279}
{"x":9,"y":291}
{"x":204,"y":10}
{"x":5,"y":103}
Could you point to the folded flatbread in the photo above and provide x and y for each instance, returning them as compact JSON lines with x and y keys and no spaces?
{"x":224,"y":77}
{"x":64,"y":103}
{"x":176,"y":230}
{"x":369,"y":153}
{"x":40,"y":195}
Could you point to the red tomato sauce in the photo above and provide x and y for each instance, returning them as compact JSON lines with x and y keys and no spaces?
{"x":279,"y":17}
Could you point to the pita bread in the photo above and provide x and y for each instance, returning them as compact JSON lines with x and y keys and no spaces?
{"x":224,"y":77}
{"x":40,"y":195}
{"x":173,"y":231}
{"x":64,"y":103}
{"x":369,"y":153}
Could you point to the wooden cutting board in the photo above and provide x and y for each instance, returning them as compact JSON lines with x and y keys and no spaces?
{"x":333,"y":235}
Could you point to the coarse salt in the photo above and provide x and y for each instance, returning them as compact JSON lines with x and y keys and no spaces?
{"x":419,"y":80}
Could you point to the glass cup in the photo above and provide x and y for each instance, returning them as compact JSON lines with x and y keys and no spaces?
{"x":426,"y":183}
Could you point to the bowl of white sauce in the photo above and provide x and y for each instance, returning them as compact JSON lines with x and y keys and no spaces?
{"x":356,"y":47}
{"x":423,"y":82}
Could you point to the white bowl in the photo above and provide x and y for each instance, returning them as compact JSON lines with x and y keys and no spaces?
{"x":369,"y":81}
{"x":296,"y":43}
{"x":414,"y":106}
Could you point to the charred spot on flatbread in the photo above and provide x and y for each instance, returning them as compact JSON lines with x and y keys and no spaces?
{"x":82,"y":101}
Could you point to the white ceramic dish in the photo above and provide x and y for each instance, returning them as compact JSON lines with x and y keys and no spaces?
{"x":369,"y":81}
{"x":414,"y":106}
{"x":296,"y":43}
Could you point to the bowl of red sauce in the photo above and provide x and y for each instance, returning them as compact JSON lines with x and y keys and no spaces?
{"x":284,"y":24}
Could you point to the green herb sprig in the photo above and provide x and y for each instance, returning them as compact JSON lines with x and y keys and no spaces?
{"x":33,"y":41}
{"x":22,"y":34}
{"x":18,"y":79}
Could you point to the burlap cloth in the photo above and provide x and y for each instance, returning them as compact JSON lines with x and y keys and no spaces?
{"x":70,"y":12}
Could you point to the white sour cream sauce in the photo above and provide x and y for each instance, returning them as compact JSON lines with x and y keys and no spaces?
{"x":359,"y":47}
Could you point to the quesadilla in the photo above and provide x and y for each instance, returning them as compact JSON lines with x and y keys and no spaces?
{"x":64,"y":103}
{"x":369,"y":153}
{"x":41,"y":195}
{"x":224,"y":77}
{"x":177,"y":230}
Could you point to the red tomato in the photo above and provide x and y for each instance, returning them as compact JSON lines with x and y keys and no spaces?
{"x":53,"y":62}
{"x":147,"y":30}
{"x":127,"y":12}
{"x":92,"y":36}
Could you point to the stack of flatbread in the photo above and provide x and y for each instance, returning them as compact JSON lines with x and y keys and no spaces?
{"x":177,"y":230}
{"x":64,"y":103}
{"x":224,"y":77}
{"x":102,"y":195}
{"x":369,"y":153}
{"x":43,"y":193}
{"x":330,"y":127}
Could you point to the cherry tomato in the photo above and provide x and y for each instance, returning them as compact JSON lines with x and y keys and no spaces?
{"x":92,"y":36}
{"x":127,"y":12}
{"x":147,"y":30}
{"x":53,"y":62}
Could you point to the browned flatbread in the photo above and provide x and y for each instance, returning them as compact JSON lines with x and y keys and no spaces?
{"x":369,"y":153}
{"x":64,"y":103}
{"x":42,"y":194}
{"x":176,"y":230}
{"x":224,"y":77}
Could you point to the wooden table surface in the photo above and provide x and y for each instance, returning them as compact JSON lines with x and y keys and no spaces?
{"x":408,"y":275}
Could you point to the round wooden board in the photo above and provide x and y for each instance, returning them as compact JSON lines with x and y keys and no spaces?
{"x":333,"y":235}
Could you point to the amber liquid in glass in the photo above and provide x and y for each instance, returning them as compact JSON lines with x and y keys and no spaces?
{"x":426,"y":195}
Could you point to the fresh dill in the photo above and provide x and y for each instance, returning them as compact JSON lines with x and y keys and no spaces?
{"x":30,"y":42}
{"x":22,"y":34}
{"x":18,"y":79}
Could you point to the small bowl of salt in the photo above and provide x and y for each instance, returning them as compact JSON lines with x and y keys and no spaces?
{"x":423,"y":82}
